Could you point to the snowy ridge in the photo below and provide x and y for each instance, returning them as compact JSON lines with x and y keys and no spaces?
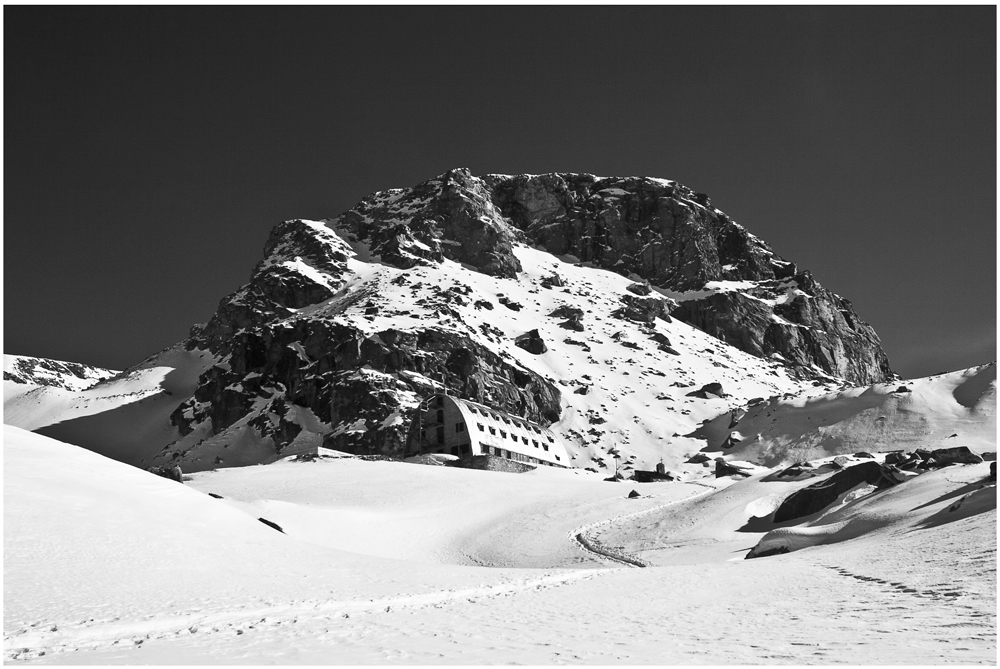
{"x":55,"y":373}
{"x":941,"y":411}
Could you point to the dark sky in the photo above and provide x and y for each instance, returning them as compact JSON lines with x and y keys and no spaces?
{"x":149,"y":151}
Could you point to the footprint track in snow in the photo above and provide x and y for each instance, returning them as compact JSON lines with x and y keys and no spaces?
{"x":946,"y":594}
{"x":30,"y":643}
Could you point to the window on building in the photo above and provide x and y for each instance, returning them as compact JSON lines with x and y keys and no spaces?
{"x":545,"y":446}
{"x":503,"y":434}
{"x":440,"y":435}
{"x":493,"y":430}
{"x":558,"y":458}
{"x":550,"y":439}
{"x":534,"y":443}
{"x":473,"y":409}
{"x":459,"y":427}
{"x":513,"y":437}
{"x":496,"y":451}
{"x":454,"y":450}
{"x":465,"y":449}
{"x":480,"y":426}
{"x":440,"y":401}
{"x":506,"y":454}
{"x":524,"y":440}
{"x":505,"y":421}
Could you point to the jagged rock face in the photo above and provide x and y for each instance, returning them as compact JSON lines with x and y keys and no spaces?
{"x":451,"y":217}
{"x":672,"y":237}
{"x":656,"y":229}
{"x":798,"y":320}
{"x":304,"y":263}
{"x":368,"y":383}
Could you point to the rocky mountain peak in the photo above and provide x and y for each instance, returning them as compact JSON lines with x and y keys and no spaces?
{"x":555,"y":297}
{"x":451,"y":216}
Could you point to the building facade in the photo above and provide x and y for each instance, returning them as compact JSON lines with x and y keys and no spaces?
{"x":469,"y":430}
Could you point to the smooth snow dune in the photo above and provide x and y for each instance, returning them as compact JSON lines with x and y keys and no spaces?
{"x":435,"y":514}
{"x":97,"y":551}
{"x":954,"y":409}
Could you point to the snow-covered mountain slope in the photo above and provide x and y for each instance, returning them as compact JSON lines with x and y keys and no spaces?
{"x":106,"y":564}
{"x":610,"y":381}
{"x":941,"y":411}
{"x":124,"y":415}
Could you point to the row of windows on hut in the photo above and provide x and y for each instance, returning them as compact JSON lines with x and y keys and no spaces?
{"x":444,"y":430}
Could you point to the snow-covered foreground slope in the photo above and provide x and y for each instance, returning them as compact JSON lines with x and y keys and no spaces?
{"x":106,"y":564}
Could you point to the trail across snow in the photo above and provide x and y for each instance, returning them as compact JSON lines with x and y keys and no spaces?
{"x":107,"y":564}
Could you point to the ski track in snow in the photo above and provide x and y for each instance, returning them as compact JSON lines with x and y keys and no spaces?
{"x":46,"y":639}
{"x":588,"y":543}
{"x":33,"y":642}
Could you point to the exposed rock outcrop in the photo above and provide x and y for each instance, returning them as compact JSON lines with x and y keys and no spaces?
{"x":816,"y":497}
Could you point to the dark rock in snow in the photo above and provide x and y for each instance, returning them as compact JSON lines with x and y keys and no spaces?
{"x":566,"y":311}
{"x":645,"y":309}
{"x":863,"y":454}
{"x":708,"y":391}
{"x":943,"y":457}
{"x":723,"y":468}
{"x":639,"y":288}
{"x":633,"y":495}
{"x":660,"y":338}
{"x":554,"y":280}
{"x":993,"y":470}
{"x":531,"y":342}
{"x":816,"y":497}
{"x":271,"y":525}
{"x":754,"y":553}
{"x":698,"y":458}
{"x":898,"y":457}
{"x":173,"y":473}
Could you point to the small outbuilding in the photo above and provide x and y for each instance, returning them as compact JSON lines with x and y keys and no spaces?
{"x":480,"y":436}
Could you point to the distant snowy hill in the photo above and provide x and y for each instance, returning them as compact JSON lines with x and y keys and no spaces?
{"x":26,"y":370}
{"x":124,"y":415}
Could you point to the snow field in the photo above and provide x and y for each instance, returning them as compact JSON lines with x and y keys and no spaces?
{"x":107,"y":564}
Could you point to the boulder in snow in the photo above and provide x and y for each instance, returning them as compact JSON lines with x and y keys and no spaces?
{"x":531,"y":342}
{"x":943,"y":457}
{"x":813,"y":499}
